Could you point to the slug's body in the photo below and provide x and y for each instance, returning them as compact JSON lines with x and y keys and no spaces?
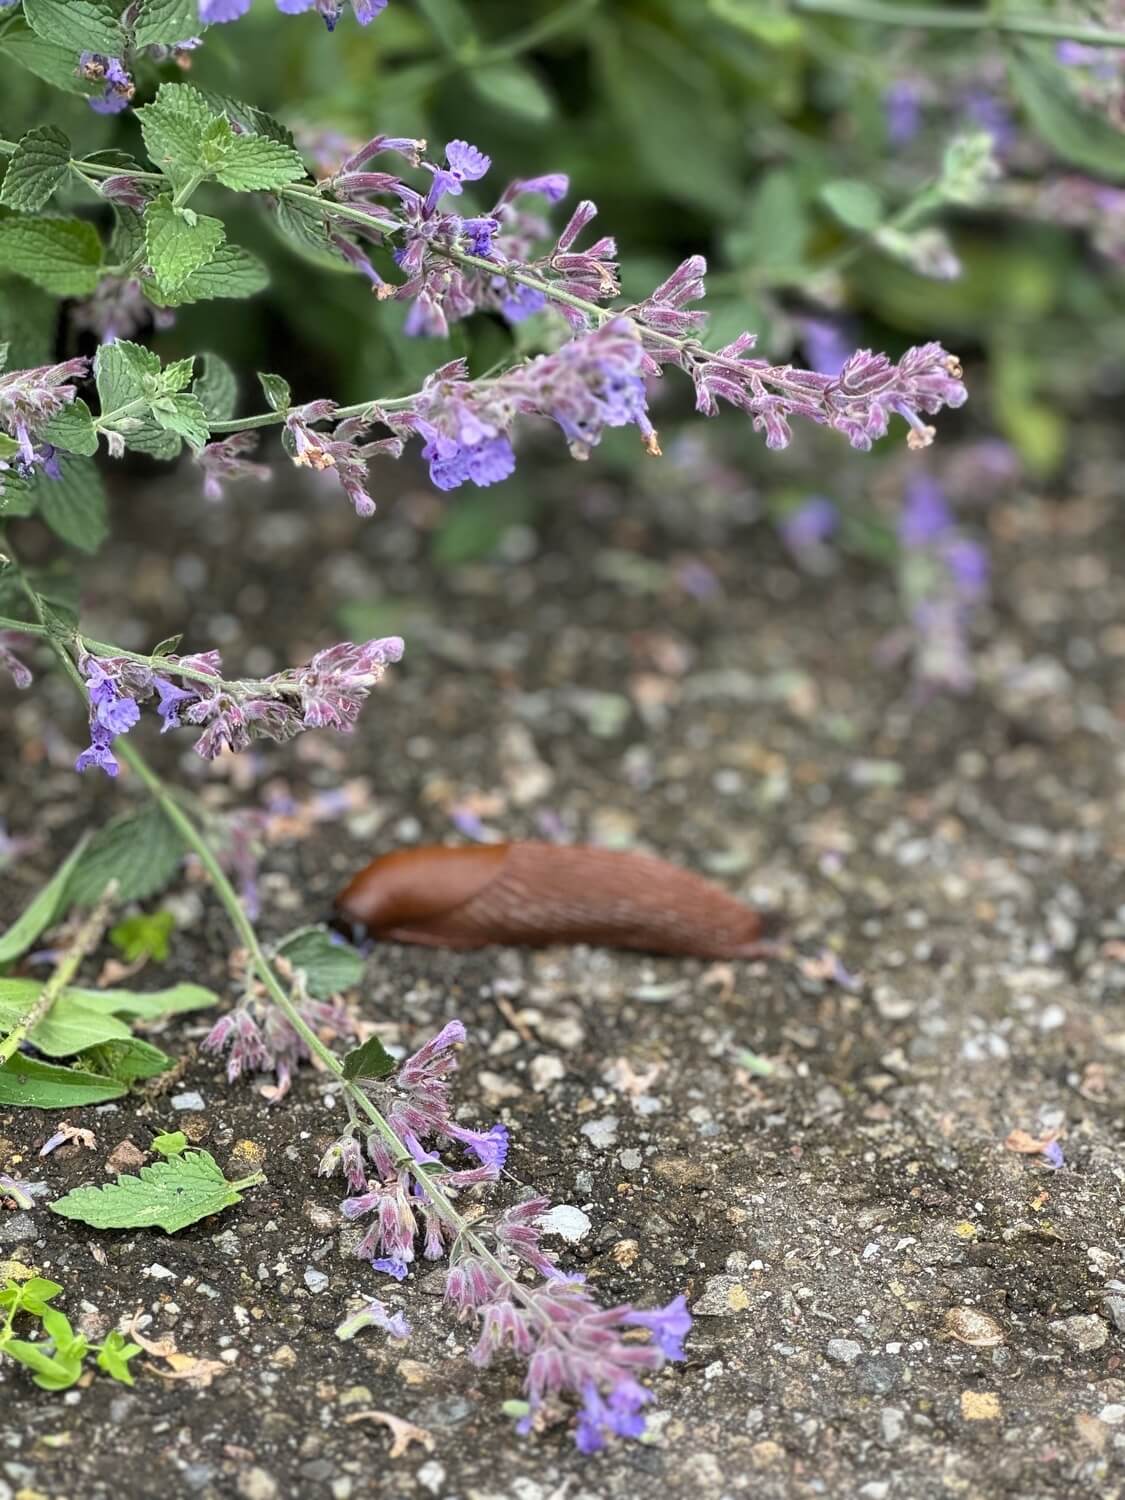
{"x":534,"y":894}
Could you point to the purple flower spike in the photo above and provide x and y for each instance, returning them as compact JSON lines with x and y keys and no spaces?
{"x":463,"y":163}
{"x":172,"y":700}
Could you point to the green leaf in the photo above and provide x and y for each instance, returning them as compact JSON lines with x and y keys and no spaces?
{"x":231,"y":272}
{"x":1079,"y":134}
{"x":35,"y":169}
{"x":124,"y":372}
{"x":301,"y":224}
{"x":42,"y":910}
{"x":169,"y":1194}
{"x":514,"y":88}
{"x":170,"y":644}
{"x":28,"y":1083}
{"x":276,"y":391}
{"x":145,"y":935}
{"x":126,"y":1060}
{"x":371,"y":1060}
{"x":177,"y":375}
{"x":173,"y":127}
{"x":216,"y":389}
{"x":248,"y":118}
{"x":765,"y":20}
{"x":81,"y":25}
{"x":52,"y":62}
{"x":253,"y":163}
{"x":141,"y":851}
{"x":51,"y":1372}
{"x":170,"y":1143}
{"x":856,"y":204}
{"x":31,"y":1295}
{"x":776,"y":227}
{"x":63,"y":256}
{"x":114,"y":1356}
{"x":28,"y":320}
{"x":329,"y":963}
{"x":69,"y":1027}
{"x":163,"y":22}
{"x":73,"y":429}
{"x":74,"y":504}
{"x":150,"y":1005}
{"x":178,"y":241}
{"x":184,"y":415}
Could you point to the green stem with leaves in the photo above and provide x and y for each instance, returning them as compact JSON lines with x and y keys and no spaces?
{"x":260,"y":963}
{"x":83,"y":943}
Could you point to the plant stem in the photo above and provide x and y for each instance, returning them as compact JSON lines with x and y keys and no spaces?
{"x":83,"y":943}
{"x":946,"y":18}
{"x":228,"y":896}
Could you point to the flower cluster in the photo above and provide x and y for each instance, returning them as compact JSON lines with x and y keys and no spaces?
{"x":944,"y":579}
{"x":29,"y":399}
{"x":571,"y":1345}
{"x":112,"y":74}
{"x":261,"y":1040}
{"x":216,"y":12}
{"x":327,"y":692}
{"x":1099,"y":72}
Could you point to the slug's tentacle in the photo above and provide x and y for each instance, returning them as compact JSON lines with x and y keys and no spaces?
{"x":535,"y":894}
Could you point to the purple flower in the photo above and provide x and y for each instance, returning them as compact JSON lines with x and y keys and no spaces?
{"x":395,"y":1268}
{"x":902,"y":107}
{"x":98,"y":753}
{"x":218,"y":12}
{"x":810,"y":524}
{"x":28,"y":401}
{"x":374,"y":1315}
{"x":452,"y":464}
{"x":670,"y":1324}
{"x":1053,"y":1155}
{"x":463,"y":163}
{"x":10,"y":662}
{"x":519,"y":302}
{"x":926,"y":516}
{"x":341,"y":452}
{"x":261,"y":1040}
{"x":225,"y":462}
{"x":111,"y":72}
{"x":970,"y":568}
{"x":825,"y":346}
{"x":172,"y":698}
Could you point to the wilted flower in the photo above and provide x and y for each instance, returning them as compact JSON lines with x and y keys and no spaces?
{"x":261,"y":1040}
{"x":10,"y":640}
{"x":28,"y":401}
{"x":225,"y":462}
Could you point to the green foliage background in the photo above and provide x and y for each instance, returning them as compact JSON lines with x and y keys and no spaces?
{"x":695,"y":126}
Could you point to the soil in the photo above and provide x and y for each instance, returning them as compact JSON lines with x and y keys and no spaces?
{"x":890,"y":1302}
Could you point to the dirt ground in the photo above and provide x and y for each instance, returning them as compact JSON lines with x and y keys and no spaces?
{"x":889,"y":1302}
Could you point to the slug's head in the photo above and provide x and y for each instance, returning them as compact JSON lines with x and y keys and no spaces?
{"x":412,"y":887}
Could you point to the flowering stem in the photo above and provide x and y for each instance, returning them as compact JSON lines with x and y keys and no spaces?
{"x":945,"y":18}
{"x":228,"y":896}
{"x":83,"y":943}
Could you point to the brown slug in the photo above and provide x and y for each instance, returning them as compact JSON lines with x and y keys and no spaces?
{"x":535,"y":894}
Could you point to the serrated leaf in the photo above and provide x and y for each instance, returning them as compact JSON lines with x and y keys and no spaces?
{"x":855,"y":203}
{"x":254,"y":163}
{"x":170,"y":1143}
{"x":173,"y":127}
{"x":81,"y":25}
{"x":28,"y":319}
{"x":52,"y":62}
{"x":69,"y":1027}
{"x":1078,"y":133}
{"x":178,"y":242}
{"x":177,"y":375}
{"x":39,"y":163}
{"x":25,"y":1082}
{"x":63,"y":256}
{"x":141,"y":851}
{"x":248,"y":117}
{"x":183,"y":415}
{"x":301,"y":224}
{"x":73,"y":429}
{"x":169,"y":1194}
{"x":371,"y":1060}
{"x":42,"y":910}
{"x":122,"y":370}
{"x":231,"y":272}
{"x":74,"y":504}
{"x":276,"y":390}
{"x":330,"y":964}
{"x":163,"y":22}
{"x":216,"y":389}
{"x":128,"y":238}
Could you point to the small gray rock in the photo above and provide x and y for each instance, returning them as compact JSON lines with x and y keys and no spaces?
{"x":843,"y":1351}
{"x":1084,"y":1332}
